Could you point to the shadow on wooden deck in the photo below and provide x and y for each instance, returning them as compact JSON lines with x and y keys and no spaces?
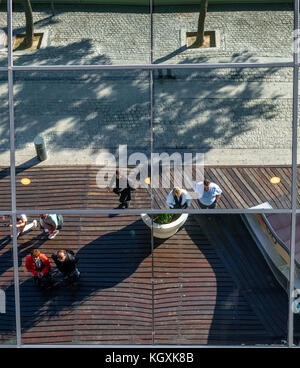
{"x":194,"y":288}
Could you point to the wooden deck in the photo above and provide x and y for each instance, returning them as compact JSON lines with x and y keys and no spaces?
{"x":75,"y":187}
{"x":191,"y":289}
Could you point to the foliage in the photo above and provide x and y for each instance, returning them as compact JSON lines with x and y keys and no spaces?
{"x":164,"y":218}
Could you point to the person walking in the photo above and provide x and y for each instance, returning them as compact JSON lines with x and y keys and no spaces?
{"x":21,"y":225}
{"x":51,"y":224}
{"x":66,"y":261}
{"x":178,"y":198}
{"x":123,"y":193}
{"x":208,"y":193}
{"x":39,"y":265}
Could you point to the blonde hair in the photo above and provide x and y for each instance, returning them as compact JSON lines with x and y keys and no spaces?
{"x":176,"y":191}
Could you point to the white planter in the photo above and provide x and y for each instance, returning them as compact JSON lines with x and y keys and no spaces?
{"x":165,"y":230}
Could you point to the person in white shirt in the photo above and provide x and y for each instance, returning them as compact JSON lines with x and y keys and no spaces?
{"x":21,"y":224}
{"x":178,"y":198}
{"x":208,"y":193}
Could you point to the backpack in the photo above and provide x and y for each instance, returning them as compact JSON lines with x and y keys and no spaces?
{"x":58,"y":220}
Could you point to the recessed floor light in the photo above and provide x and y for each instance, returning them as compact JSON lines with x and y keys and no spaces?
{"x":275,"y":180}
{"x":25,"y":181}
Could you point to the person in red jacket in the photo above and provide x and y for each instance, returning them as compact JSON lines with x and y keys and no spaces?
{"x":39,"y":265}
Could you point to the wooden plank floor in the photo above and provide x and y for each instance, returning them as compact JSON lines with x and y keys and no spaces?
{"x":75,"y":187}
{"x":199,"y":300}
{"x":243,"y":187}
{"x":181,"y":293}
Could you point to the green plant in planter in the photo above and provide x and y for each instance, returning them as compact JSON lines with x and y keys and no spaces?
{"x":164,"y":218}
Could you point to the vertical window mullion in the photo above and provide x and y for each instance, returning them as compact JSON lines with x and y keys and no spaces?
{"x":13,"y":172}
{"x":294,"y":175}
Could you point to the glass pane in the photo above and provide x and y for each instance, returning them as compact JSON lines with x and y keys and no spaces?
{"x":216,"y":285}
{"x":225,"y":33}
{"x":7,"y":290}
{"x":5,"y":191}
{"x":110,"y":304}
{"x":296,"y":295}
{"x":238,"y":122}
{"x":83,"y":34}
{"x":86,"y":125}
{"x":3,"y":34}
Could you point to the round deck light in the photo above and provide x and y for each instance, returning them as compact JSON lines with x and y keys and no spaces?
{"x":25,"y":181}
{"x":275,"y":180}
{"x":148,"y":181}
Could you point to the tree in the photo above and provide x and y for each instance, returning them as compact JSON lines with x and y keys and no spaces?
{"x":201,"y":20}
{"x":29,"y":23}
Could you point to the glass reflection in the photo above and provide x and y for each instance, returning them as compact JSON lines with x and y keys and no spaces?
{"x":221,"y":33}
{"x":73,"y":131}
{"x":97,"y":287}
{"x":216,"y":283}
{"x":239,"y":121}
{"x":5,"y":191}
{"x":7,"y":290}
{"x":81,"y":34}
{"x":3,"y":35}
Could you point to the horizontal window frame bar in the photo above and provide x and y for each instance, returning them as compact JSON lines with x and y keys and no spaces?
{"x":96,"y":346}
{"x":152,"y":211}
{"x":153,"y":66}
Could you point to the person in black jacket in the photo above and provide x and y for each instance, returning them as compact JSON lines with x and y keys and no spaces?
{"x":65,"y":261}
{"x":123,"y":193}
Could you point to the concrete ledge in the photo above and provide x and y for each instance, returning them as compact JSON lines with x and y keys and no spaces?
{"x":215,"y":157}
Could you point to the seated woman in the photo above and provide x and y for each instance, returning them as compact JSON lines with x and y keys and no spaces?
{"x":51,"y":224}
{"x":178,"y":198}
{"x":22,"y":225}
{"x":39,"y":265}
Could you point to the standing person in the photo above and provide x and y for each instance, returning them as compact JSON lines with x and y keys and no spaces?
{"x":123,"y":193}
{"x":39,"y":265}
{"x":208,"y":194}
{"x":51,"y":224}
{"x":21,"y":225}
{"x":178,"y":198}
{"x":65,"y":261}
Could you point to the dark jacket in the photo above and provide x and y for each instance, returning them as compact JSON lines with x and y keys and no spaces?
{"x":68,"y":265}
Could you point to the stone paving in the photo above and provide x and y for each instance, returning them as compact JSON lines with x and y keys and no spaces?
{"x":121,"y":34}
{"x":233,"y":116}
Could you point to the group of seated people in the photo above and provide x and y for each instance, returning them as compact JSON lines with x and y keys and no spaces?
{"x":40,"y":266}
{"x":38,"y":263}
{"x":208,"y":194}
{"x":50,"y":224}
